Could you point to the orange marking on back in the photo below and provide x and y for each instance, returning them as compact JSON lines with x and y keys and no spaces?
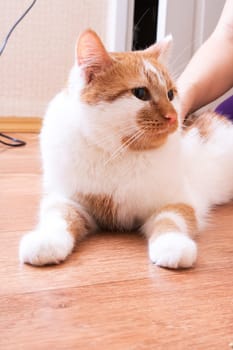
{"x":206,"y":123}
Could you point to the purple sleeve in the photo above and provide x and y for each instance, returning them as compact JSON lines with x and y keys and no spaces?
{"x":226,"y":108}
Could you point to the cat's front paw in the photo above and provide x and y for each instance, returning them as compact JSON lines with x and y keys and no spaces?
{"x":39,"y":248}
{"x":173,"y":250}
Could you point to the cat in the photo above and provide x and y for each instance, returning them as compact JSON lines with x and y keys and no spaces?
{"x":116,"y":157}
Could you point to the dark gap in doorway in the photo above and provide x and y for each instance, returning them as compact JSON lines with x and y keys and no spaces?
{"x":145,"y":23}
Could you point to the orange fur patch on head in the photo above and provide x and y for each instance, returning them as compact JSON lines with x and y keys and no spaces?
{"x":115,"y":81}
{"x":127,"y":72}
{"x":157,"y":67}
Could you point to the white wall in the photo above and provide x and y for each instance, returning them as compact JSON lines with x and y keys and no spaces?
{"x":190,"y":22}
{"x":40,"y":52}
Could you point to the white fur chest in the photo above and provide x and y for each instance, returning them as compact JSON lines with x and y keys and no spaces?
{"x":137,"y":182}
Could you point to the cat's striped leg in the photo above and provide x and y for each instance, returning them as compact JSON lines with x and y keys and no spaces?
{"x":170,"y":233}
{"x":61,"y":223}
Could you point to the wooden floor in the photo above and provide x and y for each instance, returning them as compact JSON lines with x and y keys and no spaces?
{"x":107,"y":295}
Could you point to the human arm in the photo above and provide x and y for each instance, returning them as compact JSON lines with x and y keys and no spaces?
{"x":209,"y":74}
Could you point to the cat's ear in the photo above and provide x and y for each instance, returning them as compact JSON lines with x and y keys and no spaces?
{"x":91,"y":54}
{"x":162,"y":49}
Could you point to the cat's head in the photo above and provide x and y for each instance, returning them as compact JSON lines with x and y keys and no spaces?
{"x":128,"y":99}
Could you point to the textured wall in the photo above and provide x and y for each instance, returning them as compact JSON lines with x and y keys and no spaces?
{"x":39,"y":54}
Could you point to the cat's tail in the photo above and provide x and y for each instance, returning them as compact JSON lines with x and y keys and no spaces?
{"x":208,"y":147}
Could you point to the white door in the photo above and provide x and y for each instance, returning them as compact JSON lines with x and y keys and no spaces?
{"x":190,"y":22}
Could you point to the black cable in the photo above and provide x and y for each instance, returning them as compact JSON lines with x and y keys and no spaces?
{"x":15,"y":25}
{"x":14,"y":142}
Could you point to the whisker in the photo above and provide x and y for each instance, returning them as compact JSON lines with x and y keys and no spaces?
{"x":118,"y":151}
{"x":141,"y":18}
{"x":183,"y":51}
{"x":176,"y":71}
{"x":124,"y":146}
{"x":108,"y":138}
{"x":102,"y":141}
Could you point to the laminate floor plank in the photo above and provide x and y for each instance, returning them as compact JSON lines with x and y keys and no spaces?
{"x":107,"y":295}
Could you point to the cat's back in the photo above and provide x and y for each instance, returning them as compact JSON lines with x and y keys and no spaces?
{"x":207,"y":145}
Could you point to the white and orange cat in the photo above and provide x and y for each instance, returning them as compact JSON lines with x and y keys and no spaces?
{"x":115,"y":157}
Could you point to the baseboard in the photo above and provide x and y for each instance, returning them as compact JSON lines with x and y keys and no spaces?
{"x":20,"y":124}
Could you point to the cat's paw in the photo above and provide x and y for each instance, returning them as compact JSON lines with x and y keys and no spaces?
{"x":39,"y":248}
{"x":173,"y":250}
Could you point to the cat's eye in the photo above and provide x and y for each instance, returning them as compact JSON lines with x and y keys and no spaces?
{"x":141,"y":93}
{"x":170,"y":94}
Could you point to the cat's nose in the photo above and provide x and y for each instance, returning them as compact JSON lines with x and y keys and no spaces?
{"x":171,"y":117}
